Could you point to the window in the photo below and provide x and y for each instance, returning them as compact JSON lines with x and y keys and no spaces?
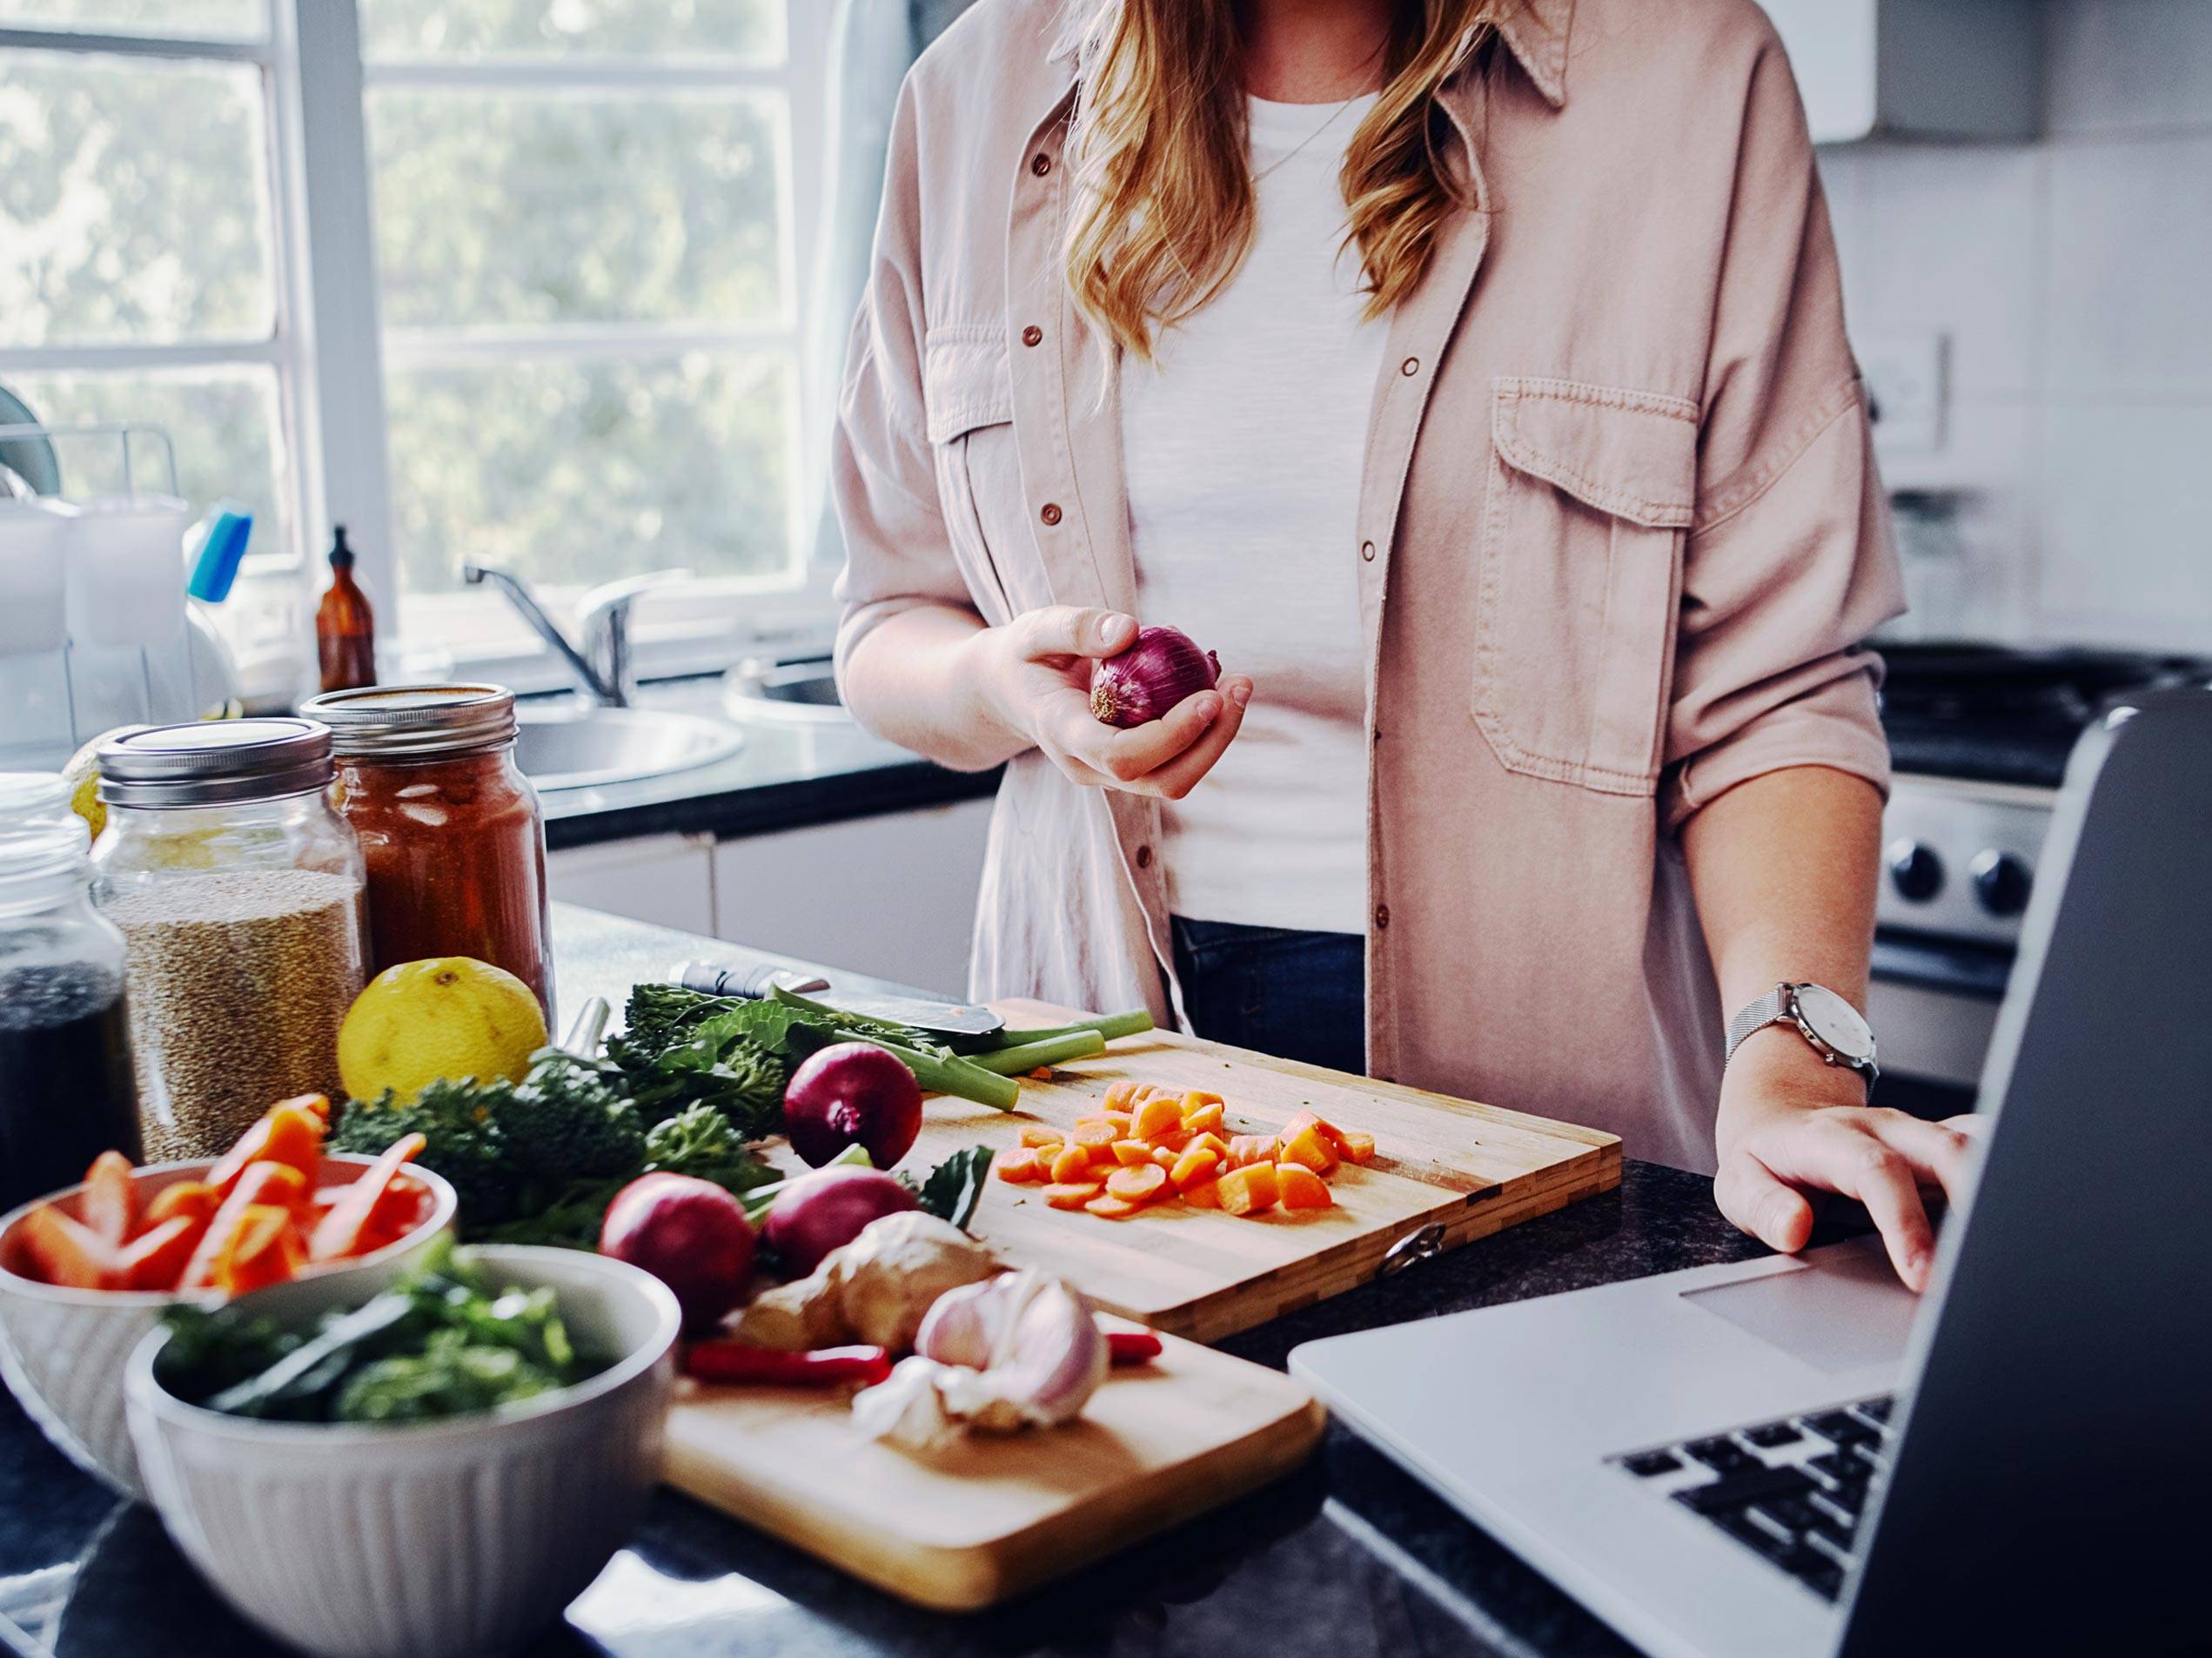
{"x":510,"y":282}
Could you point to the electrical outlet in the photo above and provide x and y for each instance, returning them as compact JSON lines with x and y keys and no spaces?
{"x":1906,"y":387}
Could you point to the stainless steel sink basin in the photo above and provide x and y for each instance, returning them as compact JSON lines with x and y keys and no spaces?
{"x":583,"y":747}
{"x":801,"y":690}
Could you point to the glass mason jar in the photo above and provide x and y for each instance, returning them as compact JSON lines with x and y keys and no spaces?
{"x":66,"y":1090}
{"x":238,"y":892}
{"x":451,"y":829}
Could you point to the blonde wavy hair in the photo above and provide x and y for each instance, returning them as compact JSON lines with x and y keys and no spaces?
{"x":1163,"y":190}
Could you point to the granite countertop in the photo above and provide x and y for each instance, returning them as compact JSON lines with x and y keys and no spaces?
{"x":1348,"y":1558}
{"x":788,"y":773}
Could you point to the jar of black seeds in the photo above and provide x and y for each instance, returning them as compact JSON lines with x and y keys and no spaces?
{"x":238,"y":892}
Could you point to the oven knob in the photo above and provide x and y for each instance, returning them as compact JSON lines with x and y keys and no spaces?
{"x":1914,"y":870}
{"x":2000,"y":881}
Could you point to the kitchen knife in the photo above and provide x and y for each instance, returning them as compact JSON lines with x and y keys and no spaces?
{"x":752,"y":978}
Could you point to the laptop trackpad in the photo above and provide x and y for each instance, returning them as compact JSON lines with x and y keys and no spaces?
{"x":1843,"y":1311}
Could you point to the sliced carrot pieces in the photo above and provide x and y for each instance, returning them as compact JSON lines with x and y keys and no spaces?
{"x":1195,"y":1167}
{"x":108,"y":1200}
{"x":1118,"y":1096}
{"x":1126,"y":1153}
{"x":1095,"y":1134}
{"x":1301,"y":1188}
{"x":1072,"y":1194}
{"x":1139,"y":1183}
{"x":1249,"y":1190}
{"x":1015,"y":1167}
{"x":155,"y":1256}
{"x":1071,"y":1163}
{"x":338,"y":1233}
{"x":1158,"y":1116}
{"x":1308,"y":1146}
{"x":1042,"y":1134}
{"x":1203,"y":1118}
{"x":193,"y":1199}
{"x":68,"y":1252}
{"x":290,"y":1131}
{"x":261,"y":1249}
{"x":259,"y":1185}
{"x":1112,"y":1208}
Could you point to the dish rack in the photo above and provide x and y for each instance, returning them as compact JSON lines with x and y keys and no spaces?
{"x":95,"y":628}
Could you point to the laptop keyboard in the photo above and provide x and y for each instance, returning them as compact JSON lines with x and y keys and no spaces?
{"x":1790,"y":1491}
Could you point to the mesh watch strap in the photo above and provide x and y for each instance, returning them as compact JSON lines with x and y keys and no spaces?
{"x":1770,"y":1009}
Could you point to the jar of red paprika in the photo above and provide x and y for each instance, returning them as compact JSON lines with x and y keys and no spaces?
{"x":449,"y":827}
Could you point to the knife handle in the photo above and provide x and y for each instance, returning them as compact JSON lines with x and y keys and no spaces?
{"x":751,"y":980}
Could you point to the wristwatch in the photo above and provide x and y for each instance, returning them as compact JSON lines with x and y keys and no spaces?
{"x":1835,"y":1028}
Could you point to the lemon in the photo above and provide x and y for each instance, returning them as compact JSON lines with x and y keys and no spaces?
{"x":83,"y":775}
{"x":452,"y":1017}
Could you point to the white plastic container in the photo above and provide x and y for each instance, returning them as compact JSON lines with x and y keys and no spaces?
{"x":126,"y":572}
{"x":34,"y":562}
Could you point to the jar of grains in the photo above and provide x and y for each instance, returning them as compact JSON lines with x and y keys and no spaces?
{"x":449,"y":827}
{"x":238,"y":890}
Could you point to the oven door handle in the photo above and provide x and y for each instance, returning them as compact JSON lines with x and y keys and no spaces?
{"x":1941,"y":963}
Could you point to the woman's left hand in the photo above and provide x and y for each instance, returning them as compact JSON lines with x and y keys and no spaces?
{"x":1793,"y":1129}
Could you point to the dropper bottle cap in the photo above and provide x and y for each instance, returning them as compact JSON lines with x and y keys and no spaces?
{"x":341,"y":554}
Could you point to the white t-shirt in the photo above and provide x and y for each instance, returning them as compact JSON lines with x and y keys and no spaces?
{"x":1242,"y":446}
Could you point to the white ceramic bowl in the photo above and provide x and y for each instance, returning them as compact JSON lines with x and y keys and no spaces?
{"x":423,"y":1540}
{"x":62,"y":1350}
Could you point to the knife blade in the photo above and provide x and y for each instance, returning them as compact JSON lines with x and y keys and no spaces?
{"x":754,"y":980}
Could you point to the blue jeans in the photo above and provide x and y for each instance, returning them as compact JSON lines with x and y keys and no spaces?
{"x":1296,"y":995}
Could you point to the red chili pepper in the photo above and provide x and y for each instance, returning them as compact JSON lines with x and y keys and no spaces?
{"x":734,"y":1361}
{"x":1131,"y":1346}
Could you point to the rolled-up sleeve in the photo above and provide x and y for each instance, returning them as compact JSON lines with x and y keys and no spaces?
{"x":882,"y":476}
{"x":1790,"y":562}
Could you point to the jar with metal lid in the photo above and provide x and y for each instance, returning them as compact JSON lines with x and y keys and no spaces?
{"x":238,"y":889}
{"x":449,"y":827}
{"x":66,"y":1090}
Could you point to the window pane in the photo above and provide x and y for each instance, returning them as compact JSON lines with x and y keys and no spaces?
{"x":172,"y":19}
{"x":405,"y":29}
{"x":223,"y":420}
{"x":133,"y":201}
{"x":527,"y":209}
{"x":576,"y":471}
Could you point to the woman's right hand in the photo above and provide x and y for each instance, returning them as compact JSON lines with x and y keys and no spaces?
{"x":1033,"y":677}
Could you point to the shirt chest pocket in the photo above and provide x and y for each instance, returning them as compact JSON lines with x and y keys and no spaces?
{"x":968,"y":398}
{"x":1589,"y":495}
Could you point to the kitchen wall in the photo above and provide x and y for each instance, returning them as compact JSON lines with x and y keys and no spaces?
{"x":2072,"y":280}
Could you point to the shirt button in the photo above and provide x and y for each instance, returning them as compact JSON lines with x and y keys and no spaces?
{"x":1367,"y":551}
{"x":1144,"y":857}
{"x":1411,"y":366}
{"x":1382,"y":915}
{"x":1040,"y":164}
{"x":1032,"y":335}
{"x":1050,"y":512}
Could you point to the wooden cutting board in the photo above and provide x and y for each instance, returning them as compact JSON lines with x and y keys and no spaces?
{"x":994,"y":1515}
{"x":1444,"y":1171}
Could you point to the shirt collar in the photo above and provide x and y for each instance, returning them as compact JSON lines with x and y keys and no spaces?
{"x":1534,"y":30}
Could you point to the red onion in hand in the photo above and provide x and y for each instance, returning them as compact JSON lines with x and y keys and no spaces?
{"x":1161,"y":666}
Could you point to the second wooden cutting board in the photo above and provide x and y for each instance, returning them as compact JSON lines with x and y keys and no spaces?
{"x":1445,"y":1171}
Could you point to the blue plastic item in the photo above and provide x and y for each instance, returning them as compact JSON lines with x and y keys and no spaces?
{"x":223,"y":537}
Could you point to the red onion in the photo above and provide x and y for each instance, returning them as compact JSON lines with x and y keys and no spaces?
{"x":853,"y":1093}
{"x":1161,"y":666}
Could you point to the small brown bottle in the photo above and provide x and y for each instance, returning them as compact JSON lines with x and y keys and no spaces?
{"x":345,"y":631}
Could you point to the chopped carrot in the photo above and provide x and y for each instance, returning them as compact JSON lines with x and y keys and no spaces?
{"x":259,"y":1184}
{"x":1042,"y":1134}
{"x":1195,"y":1167}
{"x":406,"y":1204}
{"x":1310,"y":1146}
{"x":1159,"y":1115}
{"x":1249,"y":1190}
{"x":1139,"y":1183}
{"x":1113,"y":1208}
{"x":1248,"y":1149}
{"x":1041,"y":1074}
{"x":1357,"y":1147}
{"x":153,"y":1260}
{"x":1203,"y":1194}
{"x":1301,"y":1187}
{"x":1118,"y":1121}
{"x":1071,"y":1194}
{"x":108,"y":1201}
{"x":289,"y":1131}
{"x":261,"y":1249}
{"x":194,"y":1199}
{"x":338,"y":1234}
{"x":1164,"y":1155}
{"x":1071,"y":1163}
{"x":68,"y":1252}
{"x":1015,"y":1167}
{"x":1131,"y":1151}
{"x":1204,"y":1117}
{"x":1209,"y":1141}
{"x":1095,"y":1134}
{"x":1118,"y":1094}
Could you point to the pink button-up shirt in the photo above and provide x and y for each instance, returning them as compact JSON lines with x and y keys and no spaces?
{"x":1620,"y":535}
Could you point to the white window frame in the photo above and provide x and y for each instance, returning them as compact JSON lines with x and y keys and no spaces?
{"x":329,"y":350}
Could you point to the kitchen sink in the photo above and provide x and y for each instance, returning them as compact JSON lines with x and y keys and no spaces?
{"x":573,"y":748}
{"x":802,"y":689}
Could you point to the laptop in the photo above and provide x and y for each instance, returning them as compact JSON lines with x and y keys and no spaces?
{"x":1795,"y":1455}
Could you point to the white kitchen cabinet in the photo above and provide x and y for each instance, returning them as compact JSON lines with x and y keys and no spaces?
{"x":1931,"y":69}
{"x":666,"y":879}
{"x":892,"y":896}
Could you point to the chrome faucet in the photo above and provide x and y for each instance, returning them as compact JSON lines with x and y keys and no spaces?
{"x":602,"y":666}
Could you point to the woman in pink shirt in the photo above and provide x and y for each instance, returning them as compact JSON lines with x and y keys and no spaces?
{"x":1470,"y":374}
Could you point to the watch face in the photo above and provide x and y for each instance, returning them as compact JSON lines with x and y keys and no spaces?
{"x":1836,"y":1023}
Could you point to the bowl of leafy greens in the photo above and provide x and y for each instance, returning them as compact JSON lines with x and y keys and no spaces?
{"x":423,"y":1459}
